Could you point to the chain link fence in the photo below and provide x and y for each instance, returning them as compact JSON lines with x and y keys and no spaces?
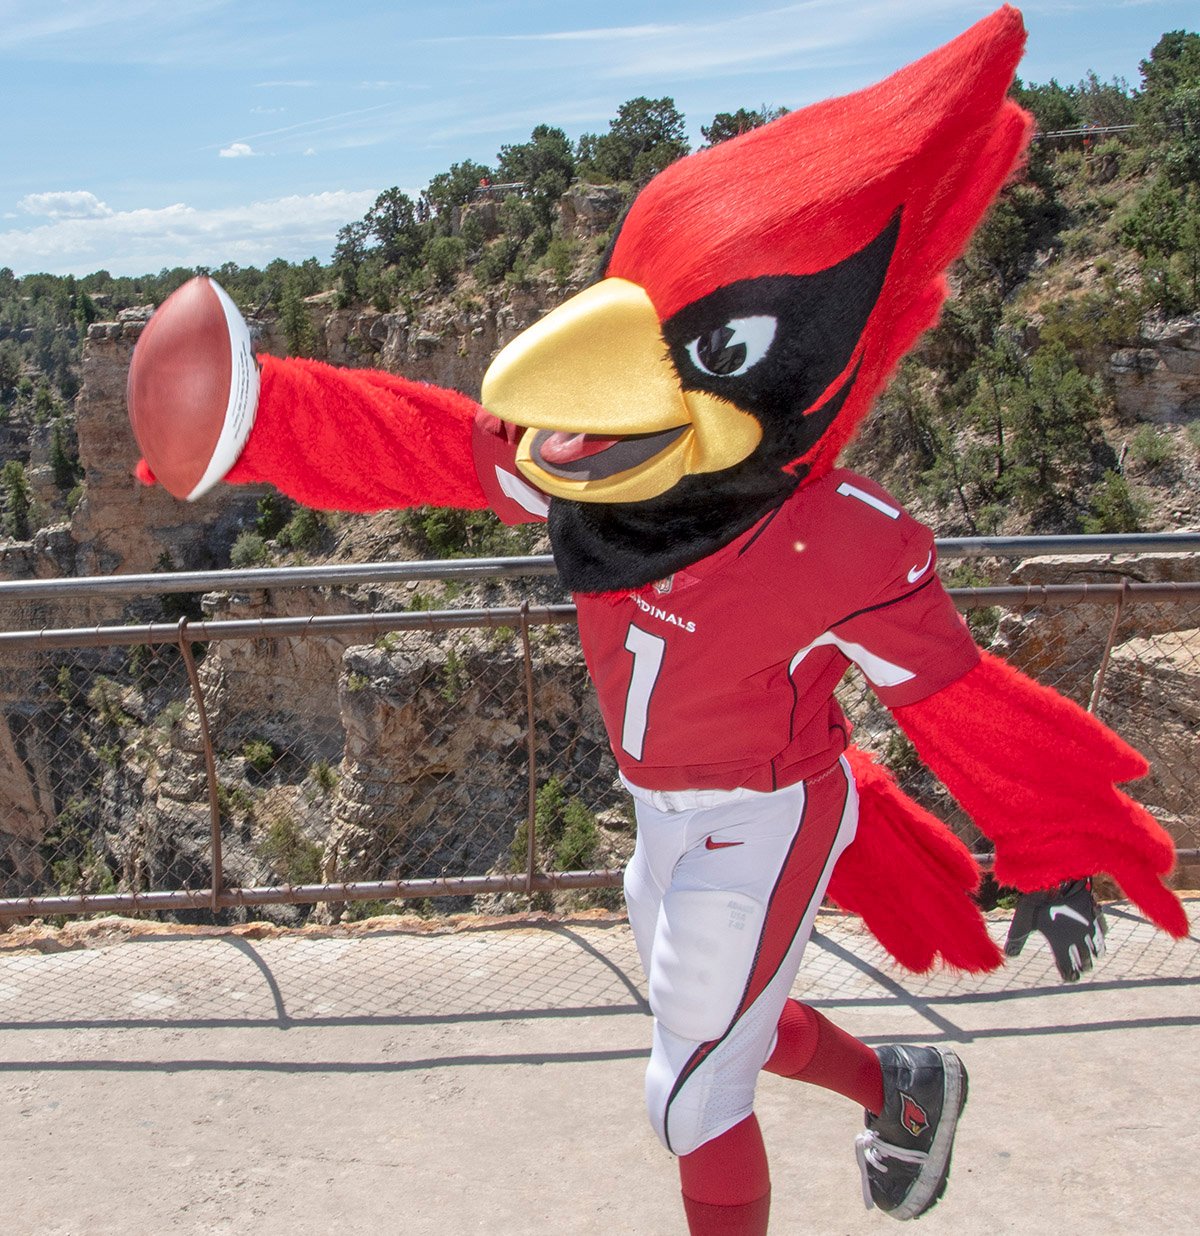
{"x":295,"y":746}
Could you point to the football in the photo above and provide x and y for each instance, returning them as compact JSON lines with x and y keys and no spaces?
{"x":193,"y":388}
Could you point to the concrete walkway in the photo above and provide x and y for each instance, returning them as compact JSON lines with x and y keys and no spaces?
{"x":394,"y":1079}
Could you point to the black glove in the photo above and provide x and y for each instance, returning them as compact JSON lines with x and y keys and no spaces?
{"x":1069,"y":918}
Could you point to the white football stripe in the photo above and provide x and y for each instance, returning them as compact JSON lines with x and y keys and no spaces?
{"x":243,"y":397}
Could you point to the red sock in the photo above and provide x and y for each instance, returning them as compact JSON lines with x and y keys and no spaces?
{"x":810,"y":1048}
{"x":749,"y":1219}
{"x":726,"y":1185}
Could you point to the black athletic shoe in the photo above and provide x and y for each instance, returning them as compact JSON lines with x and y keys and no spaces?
{"x":904,"y":1155}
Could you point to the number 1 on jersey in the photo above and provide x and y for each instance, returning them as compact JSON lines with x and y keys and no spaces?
{"x":647,"y":652}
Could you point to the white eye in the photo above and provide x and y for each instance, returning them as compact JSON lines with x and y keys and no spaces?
{"x":729,"y":350}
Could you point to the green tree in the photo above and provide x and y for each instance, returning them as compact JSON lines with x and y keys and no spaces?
{"x":645,"y":136}
{"x":544,"y":165}
{"x":10,"y":369}
{"x":1106,"y":104}
{"x":295,"y":319}
{"x":1173,"y":65}
{"x":1053,"y":412}
{"x":444,"y":257}
{"x":1164,"y":229}
{"x":733,"y":124}
{"x":1054,"y":107}
{"x":1152,"y":227}
{"x":448,"y":190}
{"x":350,"y":255}
{"x":63,"y":462}
{"x":392,"y":220}
{"x":1169,"y":104}
{"x":17,"y":501}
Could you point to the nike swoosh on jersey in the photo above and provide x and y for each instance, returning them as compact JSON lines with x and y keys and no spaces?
{"x":710,"y":844}
{"x":1067,"y":912}
{"x":915,"y":573}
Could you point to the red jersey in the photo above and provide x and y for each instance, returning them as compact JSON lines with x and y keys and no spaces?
{"x":722,"y":675}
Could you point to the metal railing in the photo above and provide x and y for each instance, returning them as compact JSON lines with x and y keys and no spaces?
{"x":204,"y":766}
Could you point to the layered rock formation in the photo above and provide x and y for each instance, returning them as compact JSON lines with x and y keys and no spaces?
{"x":372,"y":776}
{"x":1159,"y":380}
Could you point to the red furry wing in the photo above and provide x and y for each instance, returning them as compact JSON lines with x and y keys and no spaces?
{"x":911,"y":879}
{"x":360,"y":439}
{"x":1037,"y":774}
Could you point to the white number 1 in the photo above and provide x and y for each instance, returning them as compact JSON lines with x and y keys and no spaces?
{"x":647,"y":652}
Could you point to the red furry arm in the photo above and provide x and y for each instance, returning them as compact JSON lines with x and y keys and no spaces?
{"x":360,"y":440}
{"x":1036,"y":773}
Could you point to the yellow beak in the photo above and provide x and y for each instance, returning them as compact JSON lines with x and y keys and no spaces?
{"x":598,"y":365}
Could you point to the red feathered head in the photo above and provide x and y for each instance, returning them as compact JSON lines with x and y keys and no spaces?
{"x":759,"y":294}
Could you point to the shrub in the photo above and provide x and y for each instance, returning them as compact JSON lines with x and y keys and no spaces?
{"x":576,"y":847}
{"x":171,"y":715}
{"x":104,"y":699}
{"x":303,"y":531}
{"x":324,"y":774}
{"x":249,"y":550}
{"x":234,"y":799}
{"x":1108,"y":318}
{"x":444,"y":257}
{"x":290,"y":852}
{"x":558,"y":259}
{"x":272,"y":514}
{"x":1150,"y":448}
{"x":454,"y":677}
{"x":259,"y":754}
{"x":564,"y":828}
{"x":1113,"y":507}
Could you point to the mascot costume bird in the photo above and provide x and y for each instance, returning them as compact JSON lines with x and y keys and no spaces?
{"x":678,"y":424}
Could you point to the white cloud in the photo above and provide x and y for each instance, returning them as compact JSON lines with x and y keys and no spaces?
{"x":68,"y":204}
{"x":784,"y":37}
{"x":237,"y":150}
{"x":136,"y":242}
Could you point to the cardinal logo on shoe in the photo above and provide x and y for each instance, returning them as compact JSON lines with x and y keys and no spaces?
{"x":912,"y":1115}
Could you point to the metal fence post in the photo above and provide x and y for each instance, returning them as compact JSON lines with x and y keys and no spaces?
{"x":1098,"y":682}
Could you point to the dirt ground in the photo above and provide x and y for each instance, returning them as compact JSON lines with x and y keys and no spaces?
{"x":486,"y":1078}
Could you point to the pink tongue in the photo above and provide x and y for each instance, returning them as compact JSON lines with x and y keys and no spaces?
{"x":560,"y":448}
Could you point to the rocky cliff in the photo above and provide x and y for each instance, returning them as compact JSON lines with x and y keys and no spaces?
{"x":112,"y":775}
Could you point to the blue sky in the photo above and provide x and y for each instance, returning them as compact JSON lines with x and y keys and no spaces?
{"x":140,"y":134}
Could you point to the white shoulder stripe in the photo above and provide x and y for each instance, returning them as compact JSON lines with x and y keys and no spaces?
{"x":879,"y":671}
{"x":853,"y":491}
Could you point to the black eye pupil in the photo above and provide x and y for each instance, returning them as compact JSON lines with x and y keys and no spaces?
{"x":715,"y":353}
